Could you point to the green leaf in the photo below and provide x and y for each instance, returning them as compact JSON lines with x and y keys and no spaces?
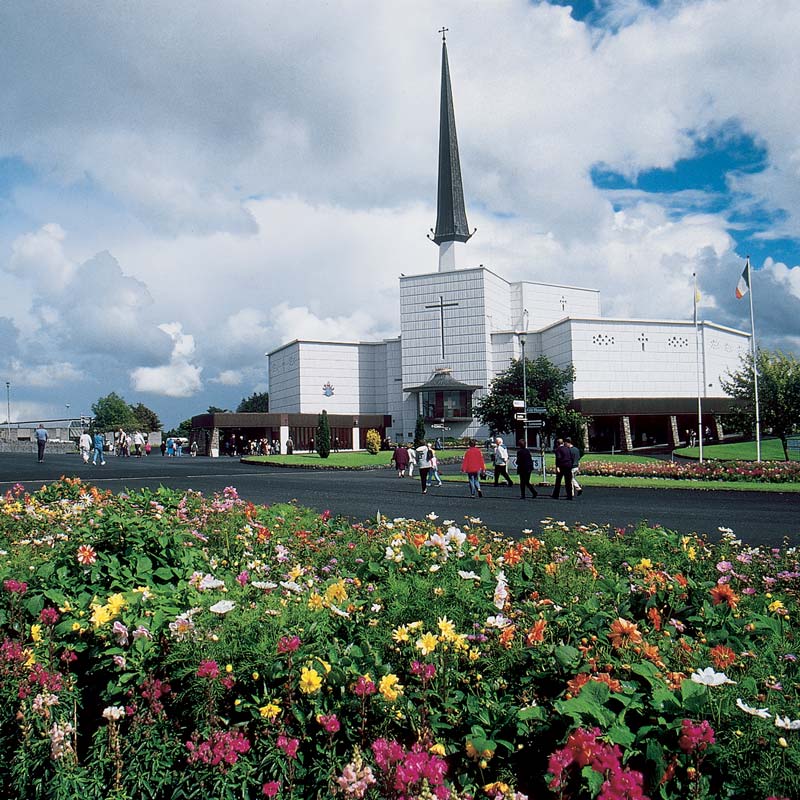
{"x":567,"y":656}
{"x":164,"y":573}
{"x":531,"y":712}
{"x":621,"y":734}
{"x":588,"y":706}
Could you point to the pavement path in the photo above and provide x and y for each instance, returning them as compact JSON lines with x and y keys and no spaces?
{"x":757,"y":518}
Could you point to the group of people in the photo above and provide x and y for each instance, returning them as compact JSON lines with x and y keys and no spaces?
{"x":423,"y":457}
{"x":125,"y":442}
{"x":92,"y":446}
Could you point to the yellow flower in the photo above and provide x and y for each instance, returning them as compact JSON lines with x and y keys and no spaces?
{"x":644,"y":565}
{"x":773,"y":606}
{"x":324,"y":664}
{"x":101,"y":615}
{"x":36,"y":632}
{"x":400,"y":634}
{"x":426,"y":644}
{"x":412,"y":626}
{"x":551,"y":568}
{"x":229,"y":668}
{"x":437,"y":749}
{"x":472,"y":751}
{"x":447,"y":629}
{"x":255,"y":676}
{"x":76,"y":626}
{"x":336,"y":592}
{"x":691,"y":553}
{"x":31,"y":659}
{"x":116,"y":603}
{"x":474,"y":654}
{"x":310,"y":681}
{"x":295,"y":572}
{"x":269,"y":711}
{"x":315,"y":602}
{"x":390,"y":687}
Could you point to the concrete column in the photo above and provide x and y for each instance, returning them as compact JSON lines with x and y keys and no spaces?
{"x":585,"y":437}
{"x":283,"y":436}
{"x":718,"y":431}
{"x":626,"y":442}
{"x":214,"y":443}
{"x":356,"y":438}
{"x":674,"y":433}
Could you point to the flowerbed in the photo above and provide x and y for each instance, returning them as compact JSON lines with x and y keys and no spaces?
{"x":167,"y":645}
{"x":762,"y":472}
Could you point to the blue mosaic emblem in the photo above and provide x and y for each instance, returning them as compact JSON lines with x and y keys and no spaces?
{"x":327,"y":389}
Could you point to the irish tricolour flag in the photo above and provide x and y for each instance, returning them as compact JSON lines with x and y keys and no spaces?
{"x":743,"y":287}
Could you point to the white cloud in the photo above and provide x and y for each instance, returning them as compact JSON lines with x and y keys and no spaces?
{"x":179,"y":378}
{"x":228,"y":377}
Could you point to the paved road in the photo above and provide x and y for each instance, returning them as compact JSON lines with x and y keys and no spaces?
{"x":757,"y":518}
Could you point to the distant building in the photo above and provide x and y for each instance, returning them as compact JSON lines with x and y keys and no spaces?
{"x":638,"y":379}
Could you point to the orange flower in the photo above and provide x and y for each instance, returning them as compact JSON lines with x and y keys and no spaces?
{"x":513,"y":556}
{"x":582,"y":678}
{"x":650,"y":652}
{"x":722,"y":593}
{"x":623,"y":633}
{"x":536,"y":633}
{"x":655,"y":617}
{"x":507,"y":635}
{"x":722,"y":656}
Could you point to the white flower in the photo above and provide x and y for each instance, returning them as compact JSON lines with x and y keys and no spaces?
{"x":264,"y":584}
{"x":432,"y":516}
{"x":434,"y":567}
{"x":498,"y":621}
{"x":501,"y":591}
{"x":786,"y":723}
{"x":756,"y":712}
{"x":375,"y":608}
{"x":222,"y":607}
{"x":292,"y":586}
{"x":468,"y":576}
{"x":209,"y":582}
{"x":338,"y":611}
{"x":114,"y":712}
{"x":707,"y":677}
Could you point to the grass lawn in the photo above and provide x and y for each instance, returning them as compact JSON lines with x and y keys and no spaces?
{"x":771,"y":450}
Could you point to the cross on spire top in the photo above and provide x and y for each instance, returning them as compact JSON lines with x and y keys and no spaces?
{"x":443,"y":31}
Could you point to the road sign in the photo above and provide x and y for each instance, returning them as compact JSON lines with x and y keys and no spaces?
{"x":519,"y":417}
{"x":518,"y":403}
{"x":534,"y":423}
{"x":536,"y":410}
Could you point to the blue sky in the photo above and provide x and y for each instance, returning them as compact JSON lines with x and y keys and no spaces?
{"x":181,"y":192}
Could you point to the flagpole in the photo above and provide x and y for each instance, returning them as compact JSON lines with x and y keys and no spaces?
{"x":699,"y":372}
{"x":754,"y":353}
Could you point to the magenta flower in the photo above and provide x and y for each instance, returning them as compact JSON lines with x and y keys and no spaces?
{"x":364,"y":687}
{"x":329,"y":722}
{"x":208,"y":669}
{"x":243,"y":577}
{"x":14,"y":586}
{"x":270,"y":788}
{"x":695,"y":736}
{"x":289,"y":746}
{"x":288,"y":644}
{"x":49,"y":616}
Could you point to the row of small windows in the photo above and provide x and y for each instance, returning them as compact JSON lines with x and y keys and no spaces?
{"x":606,"y":340}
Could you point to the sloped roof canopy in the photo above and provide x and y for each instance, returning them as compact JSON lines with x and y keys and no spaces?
{"x":442,"y":381}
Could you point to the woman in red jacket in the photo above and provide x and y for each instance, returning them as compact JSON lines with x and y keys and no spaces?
{"x":473,"y":464}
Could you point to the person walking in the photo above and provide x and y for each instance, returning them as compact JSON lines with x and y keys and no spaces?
{"x":412,"y":459}
{"x":433,"y":475}
{"x":400,"y":460}
{"x":289,"y":446}
{"x":424,"y":455}
{"x":524,"y":469}
{"x":40,"y":434}
{"x":85,"y":446}
{"x":473,"y":465}
{"x":576,"y":460}
{"x":501,"y":463}
{"x":563,"y":469}
{"x":163,"y":448}
{"x":99,"y":445}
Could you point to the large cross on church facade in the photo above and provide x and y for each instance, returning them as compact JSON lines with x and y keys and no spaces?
{"x":441,"y":305}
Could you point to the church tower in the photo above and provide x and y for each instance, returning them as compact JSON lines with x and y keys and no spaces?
{"x":451,"y":215}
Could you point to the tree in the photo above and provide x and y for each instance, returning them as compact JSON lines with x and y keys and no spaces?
{"x":183,"y":430}
{"x":778,"y":394}
{"x":546,"y":386}
{"x":322,"y":442}
{"x":258,"y":401}
{"x":112,"y":412}
{"x":373,"y":444}
{"x":146,"y":418}
{"x":216,"y":410}
{"x":419,"y":431}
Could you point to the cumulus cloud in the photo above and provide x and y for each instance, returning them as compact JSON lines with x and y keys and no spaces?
{"x":252,"y":195}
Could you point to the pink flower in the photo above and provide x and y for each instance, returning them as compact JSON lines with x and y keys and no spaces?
{"x":270,"y":789}
{"x":289,"y":746}
{"x":364,"y":687}
{"x":14,"y":586}
{"x":49,"y":616}
{"x":695,"y":736}
{"x":288,"y":644}
{"x":86,"y":555}
{"x":329,"y":722}
{"x":243,"y":577}
{"x":208,"y":669}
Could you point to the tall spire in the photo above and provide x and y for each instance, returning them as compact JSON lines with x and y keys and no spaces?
{"x":451,"y":215}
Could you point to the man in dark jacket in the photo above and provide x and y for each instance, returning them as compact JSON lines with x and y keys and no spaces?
{"x":563,"y":469}
{"x":576,"y":460}
{"x":524,"y":468}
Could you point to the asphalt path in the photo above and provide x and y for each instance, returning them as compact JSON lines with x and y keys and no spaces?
{"x":757,"y":518}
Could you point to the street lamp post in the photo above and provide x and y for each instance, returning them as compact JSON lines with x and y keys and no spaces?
{"x":522,"y":336}
{"x":8,"y":408}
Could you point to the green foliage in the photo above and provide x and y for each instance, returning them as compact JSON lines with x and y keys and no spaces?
{"x":184,"y":429}
{"x":216,"y":410}
{"x":212,"y":622}
{"x":112,"y":412}
{"x":258,"y":401}
{"x":146,"y":419}
{"x":546,"y":386}
{"x":419,"y":431}
{"x":778,"y":394}
{"x":373,"y":443}
{"x":322,"y":440}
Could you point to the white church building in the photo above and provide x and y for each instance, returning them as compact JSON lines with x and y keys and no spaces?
{"x":639,"y":380}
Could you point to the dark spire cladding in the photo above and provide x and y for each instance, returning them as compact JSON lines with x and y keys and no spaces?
{"x":451,"y":216}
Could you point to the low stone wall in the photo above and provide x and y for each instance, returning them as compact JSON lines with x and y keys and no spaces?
{"x":30,"y":447}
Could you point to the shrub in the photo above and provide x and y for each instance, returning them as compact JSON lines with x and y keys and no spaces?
{"x":373,"y":443}
{"x":323,"y":439}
